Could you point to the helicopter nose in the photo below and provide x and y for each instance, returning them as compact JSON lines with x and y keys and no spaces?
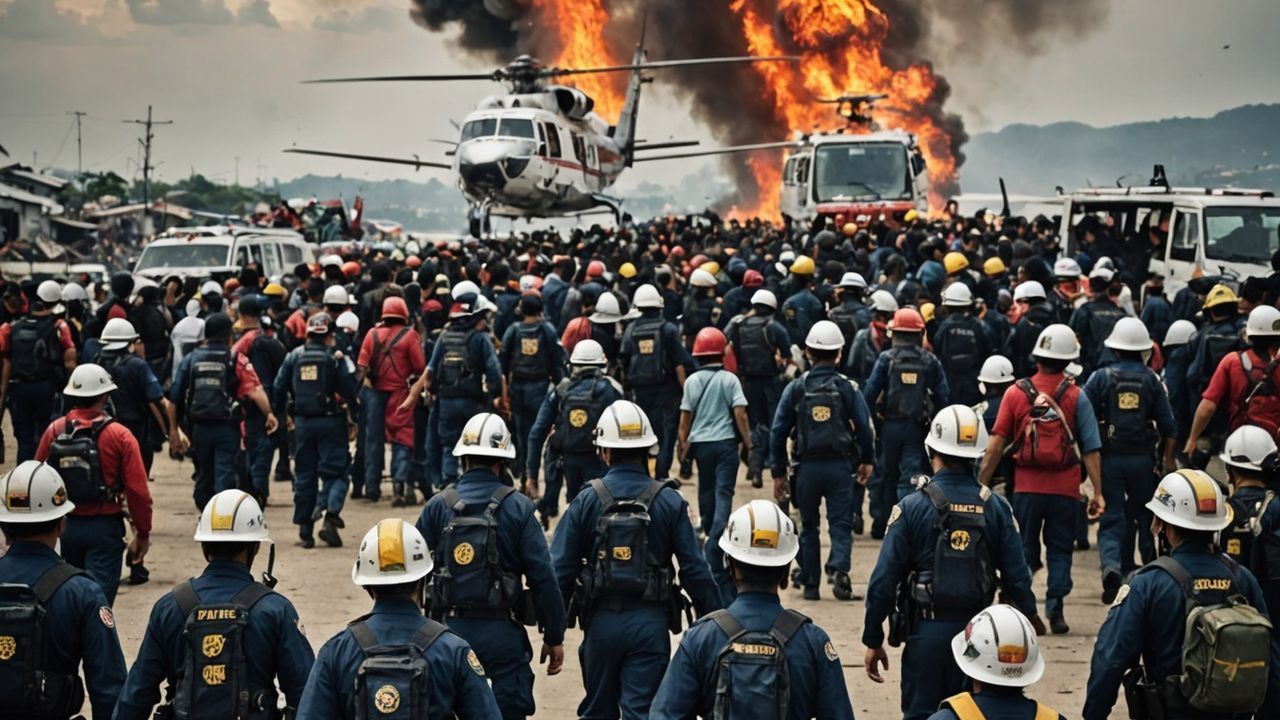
{"x":490,"y":164}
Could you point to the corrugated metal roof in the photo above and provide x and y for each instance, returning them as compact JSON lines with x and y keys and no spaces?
{"x":56,"y":183}
{"x":74,"y":223}
{"x":177,"y":211}
{"x":22,"y":196}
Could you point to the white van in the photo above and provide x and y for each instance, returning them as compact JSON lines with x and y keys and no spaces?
{"x":221,"y":250}
{"x":1225,"y":232}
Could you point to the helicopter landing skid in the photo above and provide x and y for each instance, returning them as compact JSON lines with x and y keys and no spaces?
{"x":478,"y":220}
{"x":614,"y":205}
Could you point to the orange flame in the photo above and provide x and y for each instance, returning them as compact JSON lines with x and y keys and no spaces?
{"x":580,"y":27}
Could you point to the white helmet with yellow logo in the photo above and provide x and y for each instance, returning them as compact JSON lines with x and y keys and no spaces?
{"x":957,"y":431}
{"x":391,"y":553}
{"x":232,"y":516}
{"x":1192,"y":500}
{"x":999,"y":647}
{"x":32,"y":493}
{"x":485,"y":434}
{"x":624,"y":425}
{"x":759,"y":533}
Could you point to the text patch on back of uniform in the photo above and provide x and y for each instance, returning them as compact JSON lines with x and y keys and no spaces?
{"x":909,"y":378}
{"x":212,"y":645}
{"x":1129,"y":401}
{"x":645,"y":347}
{"x":214,"y":674}
{"x":528,"y":346}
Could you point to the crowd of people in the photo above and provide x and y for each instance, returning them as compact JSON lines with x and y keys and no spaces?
{"x":963,"y":390}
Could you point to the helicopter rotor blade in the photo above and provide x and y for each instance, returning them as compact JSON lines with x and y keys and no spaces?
{"x":495,"y":75}
{"x":719,"y":151}
{"x":414,"y":162}
{"x":561,"y":72}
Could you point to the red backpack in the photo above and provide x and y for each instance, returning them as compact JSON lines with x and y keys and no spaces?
{"x":1045,"y":438}
{"x":1261,"y":404}
{"x":576,"y":331}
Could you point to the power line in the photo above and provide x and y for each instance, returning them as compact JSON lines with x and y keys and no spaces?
{"x":146,"y":157}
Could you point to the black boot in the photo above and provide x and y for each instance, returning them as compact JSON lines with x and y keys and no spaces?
{"x":329,"y":532}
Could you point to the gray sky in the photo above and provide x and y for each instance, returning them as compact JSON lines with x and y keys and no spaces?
{"x":227,"y":71}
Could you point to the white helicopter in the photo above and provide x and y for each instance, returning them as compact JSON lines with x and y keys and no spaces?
{"x":541,"y":151}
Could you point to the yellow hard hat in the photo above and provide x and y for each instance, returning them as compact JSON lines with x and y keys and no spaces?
{"x":710,"y":266}
{"x":627,"y":270}
{"x":1220,"y":295}
{"x":993,"y":266}
{"x":911,"y":215}
{"x":803,"y":265}
{"x":849,"y":229}
{"x":926,"y":311}
{"x":274,"y":290}
{"x":955,"y":262}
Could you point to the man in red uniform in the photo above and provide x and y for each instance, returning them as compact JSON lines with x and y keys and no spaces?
{"x":36,"y":353}
{"x":99,"y":461}
{"x":390,"y":360}
{"x":1237,"y":376}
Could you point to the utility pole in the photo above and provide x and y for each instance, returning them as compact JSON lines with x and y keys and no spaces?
{"x":146,"y":159}
{"x":237,"y":171}
{"x":79,"y":145}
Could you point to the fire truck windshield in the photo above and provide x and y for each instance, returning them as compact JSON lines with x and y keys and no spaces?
{"x":863,"y":171}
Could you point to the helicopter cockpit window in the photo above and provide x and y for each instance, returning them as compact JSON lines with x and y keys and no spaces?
{"x":480,"y":128}
{"x":514,"y":127}
{"x":553,"y":140}
{"x":863,"y":171}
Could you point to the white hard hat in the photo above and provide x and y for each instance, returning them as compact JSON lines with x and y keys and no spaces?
{"x":1057,"y":342}
{"x":33,"y":492}
{"x":996,"y":369}
{"x":760,"y":534}
{"x":1192,"y":500}
{"x":1066,"y":268}
{"x":703,"y":279}
{"x":1264,"y":321}
{"x":528,"y":282}
{"x":647,"y":296}
{"x":391,"y":553}
{"x":232,"y":516}
{"x":853,"y":279}
{"x":330,"y":261}
{"x":412,"y":247}
{"x":1029,"y":290}
{"x":1247,"y":447}
{"x":335,"y":295}
{"x":588,"y":352}
{"x":466,"y":287}
{"x":117,"y":334}
{"x":824,"y":335}
{"x":87,"y":381}
{"x":1129,"y":334}
{"x":607,"y":309}
{"x":624,"y":425}
{"x":999,"y":647}
{"x":72,"y":292}
{"x":349,"y":321}
{"x":210,"y":287}
{"x":1073,"y":369}
{"x":957,"y":294}
{"x":1101,"y":272}
{"x":485,"y":434}
{"x":49,"y":292}
{"x":957,"y":431}
{"x":764,"y":297}
{"x":883,"y":301}
{"x":1179,"y":333}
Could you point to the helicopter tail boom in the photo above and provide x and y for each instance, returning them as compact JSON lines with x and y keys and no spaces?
{"x":625,"y":131}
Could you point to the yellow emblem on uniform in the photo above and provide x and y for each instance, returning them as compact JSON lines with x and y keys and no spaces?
{"x":577,"y":418}
{"x":387,"y":699}
{"x":1233,"y":547}
{"x":1121,"y":594}
{"x":1129,"y":401}
{"x":821,"y":413}
{"x":528,"y":346}
{"x":959,"y":540}
{"x":211,"y":646}
{"x":464,"y":554}
{"x":214,"y":674}
{"x":622,"y":553}
{"x":645,"y":347}
{"x":474,"y":662}
{"x":8,"y":647}
{"x":893,"y":516}
{"x":830,"y":651}
{"x":308,"y":373}
{"x":909,"y":378}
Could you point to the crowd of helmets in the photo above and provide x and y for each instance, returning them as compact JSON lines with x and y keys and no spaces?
{"x":990,"y":300}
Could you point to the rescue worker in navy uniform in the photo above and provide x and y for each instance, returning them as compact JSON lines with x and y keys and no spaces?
{"x":138,"y":398}
{"x":78,"y":626}
{"x":999,"y":653}
{"x":948,"y":577}
{"x":266,"y":354}
{"x":699,"y":305}
{"x":1218,"y":337}
{"x":532,"y":361}
{"x":1147,"y":622}
{"x":36,"y":352}
{"x":993,"y":380}
{"x":461,"y":597}
{"x":759,"y":544}
{"x":1092,"y":322}
{"x":184,"y":643}
{"x":1251,"y":539}
{"x":311,"y":380}
{"x":654,"y":365}
{"x":833,"y":437}
{"x":626,"y":608}
{"x":391,"y":566}
{"x":759,"y":343}
{"x":210,"y":383}
{"x":851,"y":313}
{"x":571,"y":409}
{"x":961,"y":342}
{"x":1036,"y":316}
{"x":1129,"y":400}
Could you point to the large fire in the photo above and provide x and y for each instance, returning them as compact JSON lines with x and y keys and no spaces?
{"x":580,"y":27}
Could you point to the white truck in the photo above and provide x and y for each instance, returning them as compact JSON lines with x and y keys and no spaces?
{"x":219,"y":251}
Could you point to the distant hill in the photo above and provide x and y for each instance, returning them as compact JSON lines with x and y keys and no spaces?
{"x":1238,"y":147}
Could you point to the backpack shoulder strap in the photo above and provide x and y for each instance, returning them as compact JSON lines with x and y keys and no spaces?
{"x":250,"y":595}
{"x":602,"y":492}
{"x":727,"y":623}
{"x":1245,"y":361}
{"x":1066,"y":386}
{"x":451,"y":499}
{"x":52,"y":579}
{"x":186,"y":597}
{"x":937,"y":497}
{"x":427,"y":634}
{"x":646,"y":497}
{"x":502,"y":493}
{"x":1044,"y":712}
{"x":1174,"y":568}
{"x":363,"y":635}
{"x":787,"y":624}
{"x":1028,"y":389}
{"x":964,"y":707}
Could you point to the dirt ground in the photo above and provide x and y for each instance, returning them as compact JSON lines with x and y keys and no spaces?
{"x":318,"y":582}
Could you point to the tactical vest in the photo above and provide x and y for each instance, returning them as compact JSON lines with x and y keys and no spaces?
{"x":906,"y":395}
{"x":532,"y":360}
{"x":582,"y":402}
{"x":28,"y":686}
{"x":963,"y":575}
{"x":393,"y":681}
{"x":822,"y":422}
{"x":468,"y":579}
{"x":456,"y":377}
{"x":1216,"y":345}
{"x":963,"y":356}
{"x":1128,"y":419}
{"x":34,"y":350}
{"x":129,"y":402}
{"x":214,"y":682}
{"x":210,"y":388}
{"x":623,"y":566}
{"x":1237,"y":540}
{"x":1103,"y":317}
{"x":845,"y":316}
{"x":648,"y":362}
{"x":313,"y":383}
{"x":74,"y":453}
{"x":752,"y":347}
{"x":965,"y":708}
{"x":752,"y":680}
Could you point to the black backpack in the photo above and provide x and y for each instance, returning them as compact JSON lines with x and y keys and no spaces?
{"x":582,"y":402}
{"x":906,"y":395}
{"x":393,"y":681}
{"x":313,"y":383}
{"x":210,"y":389}
{"x":214,"y":680}
{"x":1128,"y":419}
{"x":1238,"y":541}
{"x":822,"y":421}
{"x":751,"y":675}
{"x":128,"y":403}
{"x":1217,"y":345}
{"x":1103,"y":317}
{"x":468,"y":574}
{"x":751,"y":346}
{"x":648,"y":363}
{"x":74,"y":454}
{"x":531,"y":358}
{"x":34,"y":350}
{"x":964,"y":576}
{"x":622,"y":565}
{"x":846,"y":318}
{"x":963,"y":356}
{"x":266,"y":354}
{"x":27,"y":687}
{"x":456,"y":377}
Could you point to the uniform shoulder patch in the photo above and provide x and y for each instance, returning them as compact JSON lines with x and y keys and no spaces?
{"x":104,"y":614}
{"x":1121,"y":594}
{"x":830,"y":651}
{"x":894,"y":515}
{"x":474,"y":662}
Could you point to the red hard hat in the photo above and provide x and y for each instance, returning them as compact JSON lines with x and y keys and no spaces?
{"x":395,"y":307}
{"x":697,"y":260}
{"x":907,"y":320}
{"x":752,"y":279}
{"x":710,"y":341}
{"x":351,"y":269}
{"x":677,"y":252}
{"x":595,"y":268}
{"x":413,"y":261}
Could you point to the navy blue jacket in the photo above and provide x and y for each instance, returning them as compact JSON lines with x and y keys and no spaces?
{"x":550,"y":345}
{"x":672,"y":348}
{"x":1154,"y":397}
{"x":343,"y":382}
{"x":549,"y":413}
{"x":878,"y":381}
{"x":784,"y":418}
{"x":998,"y":703}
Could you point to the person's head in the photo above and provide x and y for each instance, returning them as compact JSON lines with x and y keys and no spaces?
{"x":998,"y":647}
{"x":1263,"y":330}
{"x":957,"y":439}
{"x":1188,"y":506}
{"x":587,"y":356}
{"x":824,"y":343}
{"x":648,"y":299}
{"x":392,"y":561}
{"x":217,"y":328}
{"x":531,"y":305}
{"x":232,"y":527}
{"x":33,"y":504}
{"x":995,"y":376}
{"x":1221,"y":302}
{"x":336,"y":300}
{"x":1056,"y":348}
{"x":764,"y":302}
{"x":395,"y":311}
{"x":1247,"y":449}
{"x":485,"y":443}
{"x":1129,"y":339}
{"x":89,"y":386}
{"x":907,"y":327}
{"x":709,"y":346}
{"x":759,"y":543}
{"x":624,"y":434}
